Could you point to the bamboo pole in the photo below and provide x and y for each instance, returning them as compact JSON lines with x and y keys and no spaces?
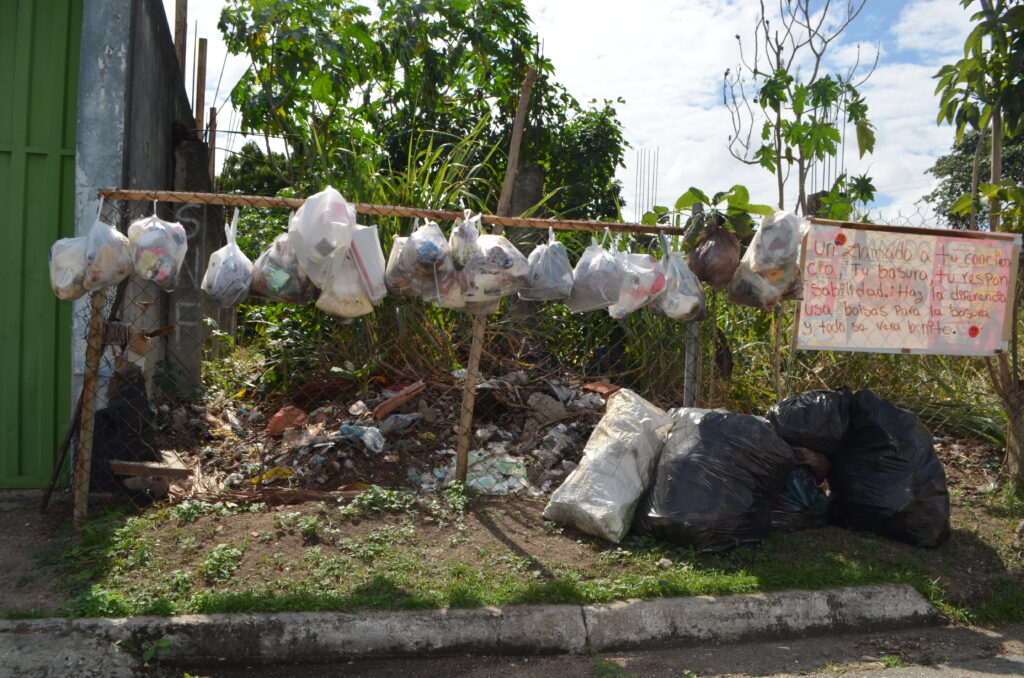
{"x":480,"y":321}
{"x":236,"y":200}
{"x":90,"y":385}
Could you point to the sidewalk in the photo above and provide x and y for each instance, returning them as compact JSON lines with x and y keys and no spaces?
{"x":99,"y":647}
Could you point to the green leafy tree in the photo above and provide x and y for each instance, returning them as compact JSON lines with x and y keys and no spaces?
{"x":985,"y":90}
{"x":249,"y":171}
{"x":354,"y":94}
{"x":787,"y":113}
{"x":956,"y":172}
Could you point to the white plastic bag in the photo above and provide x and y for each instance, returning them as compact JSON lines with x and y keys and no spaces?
{"x":67,"y":267}
{"x":425,"y":262}
{"x":277,"y":275}
{"x":463,"y":240}
{"x":683,"y":297}
{"x":397,"y":282}
{"x":158,"y":249}
{"x":618,"y":464}
{"x":107,"y":259}
{"x":323,"y":224}
{"x":642,"y":279}
{"x":496,"y":269}
{"x":229,"y":273}
{"x":770,"y":271}
{"x":369,"y":261}
{"x":596,"y":280}
{"x":343,"y":294}
{"x":550,"y":272}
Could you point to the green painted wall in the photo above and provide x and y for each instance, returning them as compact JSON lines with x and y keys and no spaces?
{"x":39,"y":41}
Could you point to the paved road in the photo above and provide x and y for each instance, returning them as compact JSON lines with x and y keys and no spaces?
{"x":924,"y":653}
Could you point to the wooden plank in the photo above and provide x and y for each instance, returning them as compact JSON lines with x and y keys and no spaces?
{"x":980,"y":235}
{"x":180,"y":32}
{"x":170,"y":467}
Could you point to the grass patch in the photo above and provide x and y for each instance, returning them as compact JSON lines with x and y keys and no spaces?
{"x":398,"y":552}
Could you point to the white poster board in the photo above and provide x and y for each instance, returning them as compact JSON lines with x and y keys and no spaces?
{"x":891,"y":290}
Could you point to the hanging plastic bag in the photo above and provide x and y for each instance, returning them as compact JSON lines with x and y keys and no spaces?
{"x":158,"y":249}
{"x":463,"y":240}
{"x":343,"y":294}
{"x":277,"y":275}
{"x":716,"y":256}
{"x":107,"y":259}
{"x":394,"y":278}
{"x":229,"y":273}
{"x":425,"y":262}
{"x":596,"y":280}
{"x":642,"y":279}
{"x":67,"y":267}
{"x":496,"y":269}
{"x":550,"y":272}
{"x":323,"y":224}
{"x":683,"y":297}
{"x":369,"y":261}
{"x":769,"y":271}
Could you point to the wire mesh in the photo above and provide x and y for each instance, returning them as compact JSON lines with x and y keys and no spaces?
{"x":168,"y":385}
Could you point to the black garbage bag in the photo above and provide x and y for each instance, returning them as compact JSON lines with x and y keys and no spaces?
{"x":886,"y":476}
{"x":717,"y":477}
{"x":802,"y":504}
{"x":816,"y":420}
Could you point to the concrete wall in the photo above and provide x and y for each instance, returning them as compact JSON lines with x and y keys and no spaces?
{"x":131,"y":100}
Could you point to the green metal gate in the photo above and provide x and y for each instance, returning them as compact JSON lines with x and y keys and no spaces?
{"x":39,"y":42}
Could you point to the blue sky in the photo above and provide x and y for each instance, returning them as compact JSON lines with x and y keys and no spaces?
{"x":666,"y":58}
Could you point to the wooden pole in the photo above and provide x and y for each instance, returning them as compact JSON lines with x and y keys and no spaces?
{"x":513,"y":153}
{"x":480,"y":321}
{"x":777,"y":316}
{"x":200,"y":94}
{"x":213,"y":146}
{"x":90,"y":385}
{"x":180,"y":33}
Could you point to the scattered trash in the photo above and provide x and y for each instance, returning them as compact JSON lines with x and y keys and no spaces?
{"x":285,"y":418}
{"x":276,"y":473}
{"x":547,"y":407}
{"x":370,"y":436}
{"x":402,"y":396}
{"x":398,"y":422}
{"x":359,"y":409}
{"x":601,"y":494}
{"x":491,"y":471}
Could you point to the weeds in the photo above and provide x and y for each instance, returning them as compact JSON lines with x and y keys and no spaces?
{"x":220,"y":564}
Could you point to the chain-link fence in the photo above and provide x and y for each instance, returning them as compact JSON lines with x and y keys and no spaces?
{"x":187,"y":392}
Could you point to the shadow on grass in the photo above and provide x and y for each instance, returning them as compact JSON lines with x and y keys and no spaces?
{"x":965,"y":578}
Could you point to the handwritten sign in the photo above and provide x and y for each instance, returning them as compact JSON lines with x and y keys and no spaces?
{"x":887,"y":291}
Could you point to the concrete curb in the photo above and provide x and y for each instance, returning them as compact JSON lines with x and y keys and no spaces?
{"x":525,"y":629}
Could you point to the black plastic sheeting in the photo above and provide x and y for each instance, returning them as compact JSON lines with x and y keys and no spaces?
{"x":717,"y":478}
{"x":802,"y":505}
{"x":817,"y":420}
{"x":886,"y":477}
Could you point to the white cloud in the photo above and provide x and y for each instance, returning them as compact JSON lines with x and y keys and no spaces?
{"x":932,"y":27}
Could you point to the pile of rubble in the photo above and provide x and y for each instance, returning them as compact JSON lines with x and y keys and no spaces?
{"x":528,"y":436}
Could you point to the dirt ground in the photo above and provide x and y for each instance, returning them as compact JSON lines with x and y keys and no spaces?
{"x":23,"y":532}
